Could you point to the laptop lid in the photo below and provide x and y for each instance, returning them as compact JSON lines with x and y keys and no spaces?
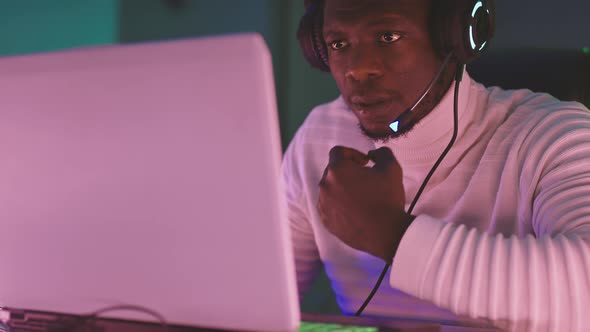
{"x":147,"y":175}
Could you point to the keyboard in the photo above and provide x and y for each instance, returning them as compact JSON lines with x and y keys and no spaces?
{"x":333,"y":327}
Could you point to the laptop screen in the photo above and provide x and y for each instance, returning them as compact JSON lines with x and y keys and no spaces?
{"x":146,"y":175}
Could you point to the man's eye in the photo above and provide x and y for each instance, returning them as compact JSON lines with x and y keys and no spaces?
{"x":338,"y":44}
{"x":389,"y":37}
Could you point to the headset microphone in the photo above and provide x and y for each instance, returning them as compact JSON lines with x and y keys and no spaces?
{"x":400,"y":121}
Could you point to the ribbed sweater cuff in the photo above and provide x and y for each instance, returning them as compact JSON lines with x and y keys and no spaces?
{"x":413,"y":253}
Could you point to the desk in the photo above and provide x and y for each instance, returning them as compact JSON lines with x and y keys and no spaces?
{"x":385,"y":325}
{"x":50,"y":322}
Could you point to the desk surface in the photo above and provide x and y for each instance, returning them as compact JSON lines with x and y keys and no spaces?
{"x":385,"y":325}
{"x":314,"y":321}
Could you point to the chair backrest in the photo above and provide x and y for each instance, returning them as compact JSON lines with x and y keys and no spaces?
{"x":565,"y":74}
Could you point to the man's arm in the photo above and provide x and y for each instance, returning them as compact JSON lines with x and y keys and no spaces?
{"x":537,"y":282}
{"x":540,"y":282}
{"x":307,"y":260}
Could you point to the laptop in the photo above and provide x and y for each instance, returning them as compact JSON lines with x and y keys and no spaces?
{"x":145,"y":176}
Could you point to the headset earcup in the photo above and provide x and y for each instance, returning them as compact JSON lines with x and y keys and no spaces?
{"x":479,"y":28}
{"x":465,"y":28}
{"x":310,"y":37}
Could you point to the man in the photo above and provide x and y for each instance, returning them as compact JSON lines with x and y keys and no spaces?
{"x":502,"y":230}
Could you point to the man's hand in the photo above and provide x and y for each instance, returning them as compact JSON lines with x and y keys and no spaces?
{"x":364,"y":206}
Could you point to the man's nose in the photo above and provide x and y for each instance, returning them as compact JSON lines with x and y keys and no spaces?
{"x":363,"y":67}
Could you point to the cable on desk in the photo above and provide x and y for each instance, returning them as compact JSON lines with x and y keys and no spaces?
{"x":70,"y":323}
{"x":90,"y":318}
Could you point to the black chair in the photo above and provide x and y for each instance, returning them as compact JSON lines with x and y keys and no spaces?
{"x":565,"y":74}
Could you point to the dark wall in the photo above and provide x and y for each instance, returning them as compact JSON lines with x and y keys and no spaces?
{"x":563,"y":24}
{"x":31,"y":26}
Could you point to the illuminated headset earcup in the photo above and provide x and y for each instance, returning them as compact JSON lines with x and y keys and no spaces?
{"x":465,"y":28}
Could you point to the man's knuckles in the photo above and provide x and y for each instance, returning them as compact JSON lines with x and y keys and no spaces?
{"x":343,"y":155}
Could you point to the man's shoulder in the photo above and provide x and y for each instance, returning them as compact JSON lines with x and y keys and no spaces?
{"x":331,"y":123}
{"x":532,"y":120}
{"x":529,"y":108}
{"x":332,"y":113}
{"x":326,"y":126}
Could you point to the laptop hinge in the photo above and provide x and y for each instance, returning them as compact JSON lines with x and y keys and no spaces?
{"x":34,"y":321}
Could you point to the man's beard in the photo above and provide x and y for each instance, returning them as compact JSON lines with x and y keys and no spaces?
{"x":390,"y":135}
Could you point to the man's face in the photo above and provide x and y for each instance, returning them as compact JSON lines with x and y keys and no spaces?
{"x":382,"y":58}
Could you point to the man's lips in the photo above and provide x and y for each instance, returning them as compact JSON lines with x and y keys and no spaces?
{"x":375,"y":108}
{"x":370,"y":100}
{"x":371,"y":107}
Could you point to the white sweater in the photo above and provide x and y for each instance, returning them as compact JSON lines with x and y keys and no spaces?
{"x":502,"y":230}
